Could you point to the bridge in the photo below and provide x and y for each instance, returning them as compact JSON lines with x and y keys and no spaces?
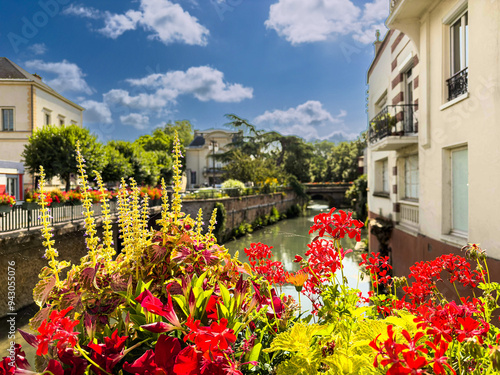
{"x":333,"y":193}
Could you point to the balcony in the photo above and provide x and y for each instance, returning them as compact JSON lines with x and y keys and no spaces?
{"x":409,"y":214}
{"x":457,"y":84}
{"x":394,"y":127}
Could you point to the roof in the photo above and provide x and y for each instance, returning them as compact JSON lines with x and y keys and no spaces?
{"x":11,"y":71}
{"x":197,"y":141}
{"x":5,"y":164}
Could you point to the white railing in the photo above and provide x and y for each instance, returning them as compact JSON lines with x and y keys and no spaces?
{"x":408,"y":213}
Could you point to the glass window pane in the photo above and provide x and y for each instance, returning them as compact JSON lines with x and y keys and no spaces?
{"x":460,"y":190}
{"x":455,"y":46}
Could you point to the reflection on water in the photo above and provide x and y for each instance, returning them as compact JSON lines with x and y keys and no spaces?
{"x":289,"y":238}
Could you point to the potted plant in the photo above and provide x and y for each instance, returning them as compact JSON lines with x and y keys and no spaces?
{"x":30,"y":200}
{"x":6,"y":202}
{"x":74,"y":197}
{"x":58,"y":198}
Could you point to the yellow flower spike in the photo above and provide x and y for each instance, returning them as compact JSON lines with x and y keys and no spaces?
{"x":108,"y":249}
{"x":199,"y":226}
{"x":211,"y":227}
{"x":91,"y":239}
{"x":123,"y":217}
{"x":164,"y":208}
{"x":50,"y":252}
{"x":176,"y":198}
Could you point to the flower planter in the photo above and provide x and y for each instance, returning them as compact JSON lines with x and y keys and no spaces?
{"x":56,"y":204}
{"x":74,"y":203}
{"x":5,"y":209}
{"x":30,"y":206}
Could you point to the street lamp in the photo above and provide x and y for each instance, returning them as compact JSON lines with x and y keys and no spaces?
{"x":214,"y":147}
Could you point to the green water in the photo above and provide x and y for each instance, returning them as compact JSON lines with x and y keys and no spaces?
{"x":289,"y":238}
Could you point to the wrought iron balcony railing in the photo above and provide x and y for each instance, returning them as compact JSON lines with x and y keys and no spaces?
{"x":457,"y":84}
{"x":393,"y":120}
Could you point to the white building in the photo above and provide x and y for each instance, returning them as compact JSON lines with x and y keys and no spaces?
{"x":433,"y":153}
{"x":27,"y":104}
{"x":201,"y":167}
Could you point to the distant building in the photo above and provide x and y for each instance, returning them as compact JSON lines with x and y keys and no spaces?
{"x":27,"y":104}
{"x":11,"y":179}
{"x":201,"y":168}
{"x":433,"y":155}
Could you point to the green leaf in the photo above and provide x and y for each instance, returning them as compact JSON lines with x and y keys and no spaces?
{"x":43,"y":289}
{"x":255,"y":353}
{"x":181,"y":302}
{"x":199,"y":282}
{"x":225,"y":295}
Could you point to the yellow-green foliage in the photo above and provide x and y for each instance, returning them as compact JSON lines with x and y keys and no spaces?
{"x":337,"y":348}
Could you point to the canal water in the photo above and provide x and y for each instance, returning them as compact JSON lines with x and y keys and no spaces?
{"x":288,"y":238}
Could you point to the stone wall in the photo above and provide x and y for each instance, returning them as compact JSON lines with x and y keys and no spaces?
{"x":26,"y":250}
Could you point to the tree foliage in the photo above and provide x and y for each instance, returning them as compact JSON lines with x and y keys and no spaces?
{"x":54,"y":148}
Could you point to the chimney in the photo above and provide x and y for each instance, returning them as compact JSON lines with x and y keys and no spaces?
{"x":378,"y":42}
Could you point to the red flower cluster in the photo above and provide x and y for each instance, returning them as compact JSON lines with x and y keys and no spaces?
{"x":378,"y":267}
{"x":59,"y":330}
{"x":260,"y":256}
{"x":324,"y":260}
{"x":337,"y":225}
{"x":411,"y":357}
{"x":426,"y":274}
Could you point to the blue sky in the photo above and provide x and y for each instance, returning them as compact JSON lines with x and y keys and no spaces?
{"x":294,"y":66}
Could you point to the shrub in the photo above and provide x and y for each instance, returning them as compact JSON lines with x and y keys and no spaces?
{"x":233,"y":188}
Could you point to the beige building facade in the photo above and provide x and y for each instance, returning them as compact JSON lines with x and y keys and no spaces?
{"x":27,"y":104}
{"x":435,"y":177}
{"x":202,"y":169}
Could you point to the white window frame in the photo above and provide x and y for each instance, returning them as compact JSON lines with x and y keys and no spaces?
{"x":462,"y":43}
{"x":15,"y":193}
{"x":382,"y":182}
{"x":455,"y":231}
{"x":13,"y":118}
{"x":409,"y":178}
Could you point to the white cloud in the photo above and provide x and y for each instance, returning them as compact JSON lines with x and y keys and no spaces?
{"x":300,"y":21}
{"x":67,"y":76}
{"x":117,"y":24}
{"x":167,"y":22}
{"x":203,"y":82}
{"x":121,"y":97}
{"x":38,"y":48}
{"x":309,"y":120}
{"x":136,"y":120}
{"x":96,"y":112}
{"x":81,"y":11}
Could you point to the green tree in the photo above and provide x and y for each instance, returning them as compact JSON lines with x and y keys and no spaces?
{"x":54,"y":148}
{"x":117,"y":165}
{"x":145,"y":168}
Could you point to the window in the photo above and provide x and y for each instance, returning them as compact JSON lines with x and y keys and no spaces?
{"x":382,"y":176}
{"x":193,"y":177}
{"x":7,"y":119}
{"x":11,"y":187}
{"x":408,"y":121}
{"x":459,"y":191}
{"x":411,"y":177}
{"x":459,"y":59}
{"x":47,"y":119}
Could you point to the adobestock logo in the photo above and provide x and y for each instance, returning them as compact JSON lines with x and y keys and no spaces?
{"x":31,"y":25}
{"x":223,"y":6}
